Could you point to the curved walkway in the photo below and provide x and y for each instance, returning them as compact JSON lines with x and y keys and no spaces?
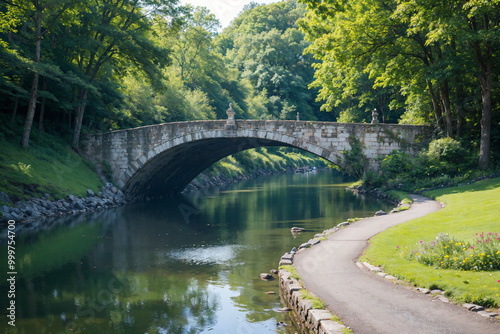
{"x":371,"y":304}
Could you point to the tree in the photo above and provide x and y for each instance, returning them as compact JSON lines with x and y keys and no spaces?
{"x":473,"y":28}
{"x":42,"y":14}
{"x":116,"y":35}
{"x":422,"y":50}
{"x":265,"y":44}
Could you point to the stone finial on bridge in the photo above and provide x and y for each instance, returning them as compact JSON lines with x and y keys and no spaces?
{"x":375,"y":116}
{"x":231,"y":122}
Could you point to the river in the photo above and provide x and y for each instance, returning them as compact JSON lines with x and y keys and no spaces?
{"x":181,"y":265}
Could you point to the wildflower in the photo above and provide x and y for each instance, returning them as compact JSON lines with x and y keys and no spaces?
{"x":397,"y":247}
{"x":498,"y":281}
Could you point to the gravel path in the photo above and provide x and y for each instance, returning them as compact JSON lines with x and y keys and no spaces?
{"x":371,"y":304}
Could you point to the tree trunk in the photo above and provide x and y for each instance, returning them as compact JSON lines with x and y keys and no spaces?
{"x":80,"y":110}
{"x":459,"y":107}
{"x":42,"y":107}
{"x":16,"y":101}
{"x":445,"y":99}
{"x":34,"y":86}
{"x":485,"y":80}
{"x":435,"y":104}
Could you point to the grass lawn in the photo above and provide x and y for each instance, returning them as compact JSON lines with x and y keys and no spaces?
{"x":47,"y":166}
{"x":469,"y":210}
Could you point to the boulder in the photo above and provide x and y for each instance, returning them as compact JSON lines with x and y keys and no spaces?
{"x":78,"y":205}
{"x":380,"y":213}
{"x":266,"y":276}
{"x":90,"y":193}
{"x":4,"y":198}
{"x":4,"y":209}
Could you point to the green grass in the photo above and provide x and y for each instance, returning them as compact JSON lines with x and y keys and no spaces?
{"x":291,"y":270}
{"x":315,"y":301}
{"x":470,"y":209}
{"x":47,"y":166}
{"x":269,"y":159}
{"x":399,"y":196}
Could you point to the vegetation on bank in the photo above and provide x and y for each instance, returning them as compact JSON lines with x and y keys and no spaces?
{"x":471,"y":213}
{"x":445,"y":162}
{"x":269,"y":159}
{"x":49,"y":166}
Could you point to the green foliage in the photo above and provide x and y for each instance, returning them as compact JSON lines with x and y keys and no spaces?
{"x":482,"y":254}
{"x":49,"y":166}
{"x":446,"y":162}
{"x":265,"y":44}
{"x":417,"y":62}
{"x":447,"y":150}
{"x":397,"y":163}
{"x":353,"y":160}
{"x":478,"y":299}
{"x":263,"y":159}
{"x":399,"y":196}
{"x":291,"y":269}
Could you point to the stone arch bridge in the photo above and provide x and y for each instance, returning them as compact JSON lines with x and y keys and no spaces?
{"x":163,"y":159}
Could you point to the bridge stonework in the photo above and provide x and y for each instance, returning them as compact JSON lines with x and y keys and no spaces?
{"x":162,"y":159}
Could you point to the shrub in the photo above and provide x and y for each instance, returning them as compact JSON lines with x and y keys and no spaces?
{"x":447,"y":150}
{"x":483,"y":254}
{"x":396,"y":163}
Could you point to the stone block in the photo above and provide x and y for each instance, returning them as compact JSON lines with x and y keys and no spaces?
{"x":285,"y":263}
{"x":313,"y":242}
{"x":294,"y":287}
{"x":304,"y":306}
{"x":316,"y":316}
{"x":330,"y":327}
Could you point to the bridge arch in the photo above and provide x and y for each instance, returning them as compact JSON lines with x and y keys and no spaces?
{"x":171,"y":166}
{"x":162,"y":159}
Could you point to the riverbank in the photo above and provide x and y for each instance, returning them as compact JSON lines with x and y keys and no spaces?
{"x":328,"y":270}
{"x":42,"y":208}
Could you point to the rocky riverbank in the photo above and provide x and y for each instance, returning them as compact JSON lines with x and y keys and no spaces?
{"x":40,"y":208}
{"x":108,"y":197}
{"x":374,"y":193}
{"x":204,"y":181}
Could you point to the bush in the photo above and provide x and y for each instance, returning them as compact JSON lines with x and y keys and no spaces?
{"x":483,"y":254}
{"x":397,"y":163}
{"x":447,"y":150}
{"x":445,"y":163}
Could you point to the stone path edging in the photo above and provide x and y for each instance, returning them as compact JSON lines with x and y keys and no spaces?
{"x":439,"y":294}
{"x":318,"y":320}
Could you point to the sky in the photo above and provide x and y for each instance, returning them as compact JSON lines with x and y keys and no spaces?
{"x":225,"y":10}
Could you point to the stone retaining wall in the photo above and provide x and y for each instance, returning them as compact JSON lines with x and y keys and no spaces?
{"x":309,"y":320}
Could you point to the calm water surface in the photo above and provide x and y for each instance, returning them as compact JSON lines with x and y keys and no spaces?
{"x":184,"y":265}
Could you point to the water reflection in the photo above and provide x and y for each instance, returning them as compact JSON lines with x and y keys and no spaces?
{"x":184,"y":265}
